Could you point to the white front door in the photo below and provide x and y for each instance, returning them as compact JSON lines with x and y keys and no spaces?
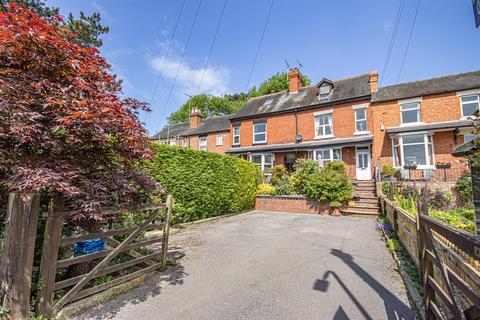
{"x":364,"y":168}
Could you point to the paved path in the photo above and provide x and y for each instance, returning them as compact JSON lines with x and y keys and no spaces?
{"x":263,"y":265}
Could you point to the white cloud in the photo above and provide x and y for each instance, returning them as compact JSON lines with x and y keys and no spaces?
{"x":215,"y":79}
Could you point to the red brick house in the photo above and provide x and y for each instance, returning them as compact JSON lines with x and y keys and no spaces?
{"x":416,"y":124}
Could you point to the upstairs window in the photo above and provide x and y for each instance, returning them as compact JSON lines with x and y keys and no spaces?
{"x":219,"y":140}
{"x":325,"y":92}
{"x":260,"y":132}
{"x":324,"y":125}
{"x":236,"y":135}
{"x":469,"y":105}
{"x":202,"y":144}
{"x":410,"y":112}
{"x":361,"y":120}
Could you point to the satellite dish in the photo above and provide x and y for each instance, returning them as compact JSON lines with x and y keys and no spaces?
{"x":298,"y":137}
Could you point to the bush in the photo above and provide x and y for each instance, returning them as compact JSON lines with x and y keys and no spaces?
{"x":388,"y":171}
{"x":329,"y":185}
{"x":303,"y":170}
{"x":463,"y":190}
{"x":266,"y":188}
{"x":336,"y":166}
{"x":278,"y":173}
{"x":204,"y":184}
{"x":285,"y":187}
{"x":459,"y":217}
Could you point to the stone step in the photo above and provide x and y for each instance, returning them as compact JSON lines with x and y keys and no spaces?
{"x":365,"y":195}
{"x":366,"y":200}
{"x":356,"y":213}
{"x":362,"y":204}
{"x":357,"y":207}
{"x":364,"y":188}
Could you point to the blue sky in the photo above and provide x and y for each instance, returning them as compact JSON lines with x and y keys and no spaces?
{"x":332,"y":39}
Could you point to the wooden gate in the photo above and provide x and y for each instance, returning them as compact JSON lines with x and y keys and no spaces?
{"x":447,"y":294}
{"x":80,"y":286}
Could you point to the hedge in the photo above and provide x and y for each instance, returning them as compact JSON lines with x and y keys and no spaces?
{"x":204,"y":184}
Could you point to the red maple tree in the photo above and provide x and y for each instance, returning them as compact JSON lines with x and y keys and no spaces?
{"x":63,"y":126}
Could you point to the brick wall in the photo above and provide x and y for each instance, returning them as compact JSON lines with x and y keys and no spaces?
{"x":281,"y":128}
{"x":290,"y":204}
{"x":211,"y":142}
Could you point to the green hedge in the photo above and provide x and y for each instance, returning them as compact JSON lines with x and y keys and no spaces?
{"x":204,"y":184}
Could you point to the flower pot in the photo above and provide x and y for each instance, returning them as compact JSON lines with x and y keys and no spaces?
{"x":351,"y":202}
{"x":336,"y":212}
{"x":443,"y":166}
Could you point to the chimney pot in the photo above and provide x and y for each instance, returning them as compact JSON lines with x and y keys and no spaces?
{"x":195,"y":118}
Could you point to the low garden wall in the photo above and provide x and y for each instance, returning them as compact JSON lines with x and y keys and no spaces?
{"x":299,"y":204}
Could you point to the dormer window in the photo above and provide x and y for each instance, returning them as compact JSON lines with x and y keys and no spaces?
{"x":325,"y":92}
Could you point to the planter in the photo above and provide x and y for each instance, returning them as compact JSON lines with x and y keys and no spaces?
{"x":336,"y":212}
{"x":410,"y":167}
{"x":443,"y":166}
{"x":351,"y":202}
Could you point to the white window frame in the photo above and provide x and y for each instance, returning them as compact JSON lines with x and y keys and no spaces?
{"x":313,"y":154}
{"x":236,"y":135}
{"x":218,"y":138}
{"x":172,"y":142}
{"x":470,"y":135}
{"x":461,"y":104}
{"x":361,"y":107}
{"x":419,"y":113}
{"x":426,"y":143}
{"x":263,"y":162}
{"x":258,"y":133}
{"x":201,"y":146}
{"x":317,"y":126}
{"x":324,"y":96}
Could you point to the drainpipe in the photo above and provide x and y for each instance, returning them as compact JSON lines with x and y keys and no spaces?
{"x":296,"y":129}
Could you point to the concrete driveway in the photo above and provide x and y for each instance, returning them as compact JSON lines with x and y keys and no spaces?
{"x":264,"y":265}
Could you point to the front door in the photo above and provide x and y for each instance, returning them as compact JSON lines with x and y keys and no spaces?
{"x":364,"y":168}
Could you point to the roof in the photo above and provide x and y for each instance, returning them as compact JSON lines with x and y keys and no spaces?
{"x":345,"y":89}
{"x":455,"y":82}
{"x":334,"y":142}
{"x":213,"y":124}
{"x":435,"y":126}
{"x":173,"y":130}
{"x":465,"y":149}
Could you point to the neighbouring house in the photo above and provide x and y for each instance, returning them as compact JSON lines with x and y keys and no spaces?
{"x":209,"y":134}
{"x":413,"y":126}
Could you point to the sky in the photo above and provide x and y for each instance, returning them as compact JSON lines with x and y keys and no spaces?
{"x":332,"y":39}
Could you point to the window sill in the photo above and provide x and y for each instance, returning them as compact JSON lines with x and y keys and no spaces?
{"x":421,"y":167}
{"x":324,"y":137}
{"x":471,"y":118}
{"x":260,"y":142}
{"x":411,"y":124}
{"x":361,"y":133}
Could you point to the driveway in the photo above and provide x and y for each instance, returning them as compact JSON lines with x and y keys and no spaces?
{"x":265,"y":265}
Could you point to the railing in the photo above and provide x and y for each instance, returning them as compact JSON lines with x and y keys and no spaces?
{"x":440,"y":174}
{"x":448,"y":260}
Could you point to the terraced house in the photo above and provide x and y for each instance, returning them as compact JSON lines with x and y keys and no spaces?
{"x":414,"y":126}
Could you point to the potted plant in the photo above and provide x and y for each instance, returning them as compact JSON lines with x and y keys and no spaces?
{"x":443,"y":165}
{"x":335,"y":207}
{"x":351,"y":201}
{"x":410,"y":167}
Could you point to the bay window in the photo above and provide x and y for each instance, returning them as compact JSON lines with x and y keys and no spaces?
{"x":264,"y":161}
{"x":410,"y":113}
{"x":260,"y":132}
{"x":470,"y":105}
{"x":326,"y":155}
{"x":324,"y":125}
{"x":413,"y":150}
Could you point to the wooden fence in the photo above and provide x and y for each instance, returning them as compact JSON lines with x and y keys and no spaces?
{"x":75,"y":287}
{"x":448,"y":260}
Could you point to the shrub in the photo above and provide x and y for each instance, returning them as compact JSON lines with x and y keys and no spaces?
{"x":303,"y":170}
{"x":459,"y":217}
{"x":463,"y":190}
{"x":336,"y":166}
{"x":328,"y":185}
{"x":407,"y":203}
{"x":388,"y":188}
{"x":266,"y":188}
{"x":278,"y":173}
{"x":388,"y":171}
{"x":204,"y":184}
{"x":285,"y":186}
{"x":438,"y":199}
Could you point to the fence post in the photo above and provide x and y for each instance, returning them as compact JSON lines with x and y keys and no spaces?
{"x":18,"y":249}
{"x":166,"y":231}
{"x":48,"y":264}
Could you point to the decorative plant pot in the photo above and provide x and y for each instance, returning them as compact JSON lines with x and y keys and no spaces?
{"x":336,"y":212}
{"x":410,"y":167}
{"x":443,"y":166}
{"x":351,"y":202}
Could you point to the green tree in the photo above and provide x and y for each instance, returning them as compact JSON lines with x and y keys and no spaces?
{"x":86,"y":28}
{"x":276,"y":83}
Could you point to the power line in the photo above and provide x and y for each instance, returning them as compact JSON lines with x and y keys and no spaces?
{"x":166,"y":56}
{"x":392,"y":39}
{"x":408,"y":42}
{"x":259,"y":45}
{"x":212,"y":45}
{"x":180,"y":64}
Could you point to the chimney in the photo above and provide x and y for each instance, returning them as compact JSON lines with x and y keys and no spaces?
{"x":195,"y":118}
{"x":294,"y":80}
{"x":374,"y":81}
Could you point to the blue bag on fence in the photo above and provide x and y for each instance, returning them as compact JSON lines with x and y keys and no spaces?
{"x":88,"y":246}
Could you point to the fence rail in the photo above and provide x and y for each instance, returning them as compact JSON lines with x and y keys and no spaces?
{"x":99,"y":264}
{"x":448,"y":260}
